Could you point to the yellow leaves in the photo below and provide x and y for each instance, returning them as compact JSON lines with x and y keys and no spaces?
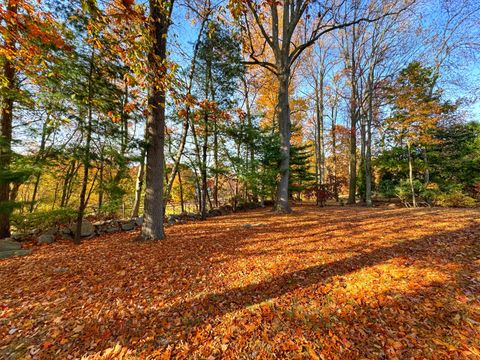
{"x":78,"y":329}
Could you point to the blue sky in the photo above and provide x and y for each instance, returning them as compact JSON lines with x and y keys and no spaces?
{"x":183,"y":34}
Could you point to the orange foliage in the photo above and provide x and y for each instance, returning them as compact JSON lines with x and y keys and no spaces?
{"x":335,"y":283}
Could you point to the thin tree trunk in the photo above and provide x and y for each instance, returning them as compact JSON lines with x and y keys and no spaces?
{"x":352,"y":186}
{"x":334,"y":150}
{"x":180,"y":185}
{"x":410,"y":174}
{"x":100,"y":182}
{"x":55,"y":195}
{"x":425,"y":162}
{"x":139,"y":186}
{"x":215,"y":162}
{"x":186,"y":122}
{"x":86,"y":158}
{"x":363,"y":146}
{"x":39,"y":159}
{"x":368,"y":151}
{"x":250,"y":147}
{"x":203,"y":170}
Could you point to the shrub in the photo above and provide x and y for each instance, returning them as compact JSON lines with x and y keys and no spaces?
{"x":404,"y":192}
{"x":42,"y":219}
{"x":455,"y":199}
{"x":387,"y":188}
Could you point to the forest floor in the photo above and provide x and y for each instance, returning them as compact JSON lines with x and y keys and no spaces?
{"x":328,"y":283}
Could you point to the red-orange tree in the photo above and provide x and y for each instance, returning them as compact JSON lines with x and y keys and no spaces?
{"x":29,"y":34}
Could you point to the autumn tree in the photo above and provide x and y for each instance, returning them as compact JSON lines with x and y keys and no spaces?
{"x":287,"y":29}
{"x":159,"y":22}
{"x":29,"y":36}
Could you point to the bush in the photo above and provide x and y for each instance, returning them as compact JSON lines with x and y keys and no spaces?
{"x":455,"y":199}
{"x":42,"y":219}
{"x":404,"y":192}
{"x":387,"y":188}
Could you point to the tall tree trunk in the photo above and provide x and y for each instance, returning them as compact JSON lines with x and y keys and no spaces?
{"x":215,"y":162}
{"x":67,"y":183}
{"x":250,"y":143}
{"x":363,"y":146}
{"x":203,"y":171}
{"x":183,"y":138}
{"x":352,"y":186}
{"x":100,"y":182}
{"x":139,"y":186}
{"x":368,"y":151}
{"x":180,"y":185}
{"x":426,"y":174}
{"x":282,"y":204}
{"x":6,"y":125}
{"x":334,"y":150}
{"x":86,"y":157}
{"x":152,"y":229}
{"x":317,"y":167}
{"x":410,"y":174}
{"x":319,"y":107}
{"x":39,"y":160}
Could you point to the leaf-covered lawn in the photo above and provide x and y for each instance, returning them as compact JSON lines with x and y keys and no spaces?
{"x":329,"y":283}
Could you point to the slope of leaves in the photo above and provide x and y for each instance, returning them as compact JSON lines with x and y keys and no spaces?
{"x":331,"y":283}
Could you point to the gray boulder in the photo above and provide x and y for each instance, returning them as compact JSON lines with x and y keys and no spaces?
{"x":9,"y":244}
{"x":19,"y":236}
{"x":51,"y":231}
{"x":128,"y":225}
{"x":10,"y":253}
{"x":45,"y":239}
{"x":87,"y":229}
{"x":113,"y":228}
{"x":139,"y":221}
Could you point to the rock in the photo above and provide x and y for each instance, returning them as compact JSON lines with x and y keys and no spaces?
{"x":10,"y":253}
{"x":45,"y":239}
{"x":113,"y":228}
{"x":19,"y":236}
{"x":128,"y":226}
{"x":9,"y":244}
{"x":215,"y":212}
{"x":139,"y":221}
{"x":87,"y":229}
{"x":172,"y":219}
{"x":66,"y":233}
{"x":247,"y":226}
{"x":51,"y":231}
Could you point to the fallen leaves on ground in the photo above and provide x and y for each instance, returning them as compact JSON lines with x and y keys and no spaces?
{"x":322,"y":283}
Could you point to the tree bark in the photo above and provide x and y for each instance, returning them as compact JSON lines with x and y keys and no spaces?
{"x":368,"y":151}
{"x":6,"y":126}
{"x":282,"y":204}
{"x":86,"y":157}
{"x":39,"y":160}
{"x":139,"y":186}
{"x":152,"y":229}
{"x":410,"y":174}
